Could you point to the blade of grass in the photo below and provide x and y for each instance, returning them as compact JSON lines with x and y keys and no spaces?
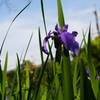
{"x":93,"y":76}
{"x":43,"y":16}
{"x":59,"y":95}
{"x":4,"y":78}
{"x":21,"y":55}
{"x":86,"y":91}
{"x":27,"y":80}
{"x":98,"y":97}
{"x":31,"y":92}
{"x":11,"y":25}
{"x":11,"y":91}
{"x":60,"y":14}
{"x":75,"y":76}
{"x":28,"y":46}
{"x":19,"y":79}
{"x":67,"y":78}
{"x":44,"y":22}
{"x":40,"y":79}
{"x":40,"y":45}
{"x":84,"y":39}
{"x":54,"y":83}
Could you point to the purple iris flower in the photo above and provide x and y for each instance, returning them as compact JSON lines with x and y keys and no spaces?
{"x":63,"y":37}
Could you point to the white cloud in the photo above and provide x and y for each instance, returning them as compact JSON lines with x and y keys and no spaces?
{"x":79,"y":20}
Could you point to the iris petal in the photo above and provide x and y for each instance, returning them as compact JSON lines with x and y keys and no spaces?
{"x":65,"y":28}
{"x":75,"y":47}
{"x":44,"y":48}
{"x":57,"y":28}
{"x":74,"y":33}
{"x":68,"y":40}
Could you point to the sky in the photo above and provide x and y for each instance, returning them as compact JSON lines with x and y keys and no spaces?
{"x":78,"y":15}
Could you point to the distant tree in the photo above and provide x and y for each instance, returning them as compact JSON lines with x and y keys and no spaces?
{"x":8,"y":4}
{"x":95,"y":52}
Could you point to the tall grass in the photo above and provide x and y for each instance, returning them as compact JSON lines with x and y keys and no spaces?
{"x":61,"y":82}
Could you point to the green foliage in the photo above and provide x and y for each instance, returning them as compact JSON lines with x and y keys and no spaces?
{"x":95,"y":49}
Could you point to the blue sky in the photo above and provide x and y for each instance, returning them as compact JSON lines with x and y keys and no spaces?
{"x":78,"y":14}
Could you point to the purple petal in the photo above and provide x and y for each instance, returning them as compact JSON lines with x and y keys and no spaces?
{"x":44,"y":48}
{"x":75,"y":33}
{"x":49,"y":34}
{"x":69,"y":41}
{"x":75,"y":47}
{"x":57,"y":29}
{"x":98,"y":77}
{"x":65,"y":28}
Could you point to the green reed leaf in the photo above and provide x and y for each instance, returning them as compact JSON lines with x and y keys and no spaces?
{"x":4,"y":78}
{"x":28,"y":46}
{"x":27,"y":80}
{"x":40,"y":79}
{"x":84,"y":39}
{"x":60,"y":14}
{"x":93,"y":77}
{"x":67,"y":79}
{"x":44,"y":22}
{"x":19,"y":79}
{"x":40,"y":45}
{"x":76,"y":75}
{"x":86,"y":91}
{"x":43,"y":16}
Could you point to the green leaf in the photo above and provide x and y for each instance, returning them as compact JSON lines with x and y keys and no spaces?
{"x":75,"y":75}
{"x":43,"y":16}
{"x":27,"y":79}
{"x":98,"y":97}
{"x":40,"y":79}
{"x":67,"y":77}
{"x":40,"y":45}
{"x":19,"y":79}
{"x":93,"y":76}
{"x":11,"y":91}
{"x":54,"y":84}
{"x":86,"y":91}
{"x":59,"y":95}
{"x":44,"y":22}
{"x":28,"y":46}
{"x":4,"y":78}
{"x":60,"y":14}
{"x":84,"y":39}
